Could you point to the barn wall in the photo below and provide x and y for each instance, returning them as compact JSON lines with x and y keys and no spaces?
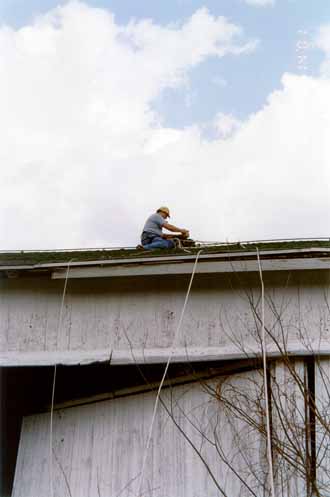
{"x":289,"y":411}
{"x":322,"y":422}
{"x":142,"y":313}
{"x":98,"y":448}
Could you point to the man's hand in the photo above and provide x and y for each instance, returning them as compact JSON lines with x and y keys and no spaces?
{"x":171,"y":227}
{"x":181,"y":233}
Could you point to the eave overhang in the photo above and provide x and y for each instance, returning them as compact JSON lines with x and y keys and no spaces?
{"x":140,"y":356}
{"x":313,"y":258}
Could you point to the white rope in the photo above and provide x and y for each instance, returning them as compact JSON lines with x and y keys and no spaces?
{"x":264,"y":359}
{"x":51,"y":476}
{"x":164,"y":375}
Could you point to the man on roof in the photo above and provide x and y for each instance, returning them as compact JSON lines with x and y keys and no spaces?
{"x":152,"y":235}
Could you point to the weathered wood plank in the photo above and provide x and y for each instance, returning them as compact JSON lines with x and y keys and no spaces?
{"x":322,"y":423}
{"x":122,"y":319}
{"x":158,"y":356}
{"x":99,"y":448}
{"x":203,"y":267}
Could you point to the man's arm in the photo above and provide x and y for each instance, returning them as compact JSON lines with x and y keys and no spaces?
{"x":175,"y":229}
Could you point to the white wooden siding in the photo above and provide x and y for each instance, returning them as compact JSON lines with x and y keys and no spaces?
{"x":322,"y":395}
{"x":288,"y":425}
{"x":204,"y":267}
{"x":107,"y":316}
{"x":99,"y":448}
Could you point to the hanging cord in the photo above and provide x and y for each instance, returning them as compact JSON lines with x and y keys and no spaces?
{"x":165,"y":373}
{"x":264,"y":359}
{"x":53,"y":390}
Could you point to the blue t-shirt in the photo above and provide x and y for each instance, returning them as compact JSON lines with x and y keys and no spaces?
{"x":154,"y":224}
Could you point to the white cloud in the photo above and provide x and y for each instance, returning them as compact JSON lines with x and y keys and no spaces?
{"x":226,"y":124}
{"x":84,"y":157}
{"x":260,"y":3}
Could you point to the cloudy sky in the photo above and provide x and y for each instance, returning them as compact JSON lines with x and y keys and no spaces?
{"x":110,"y":108}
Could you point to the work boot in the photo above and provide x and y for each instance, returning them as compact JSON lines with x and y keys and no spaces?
{"x":140,"y":247}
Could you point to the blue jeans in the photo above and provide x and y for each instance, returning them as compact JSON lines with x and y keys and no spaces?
{"x":159,"y":242}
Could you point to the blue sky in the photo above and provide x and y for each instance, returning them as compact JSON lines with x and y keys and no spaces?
{"x":235,"y":85}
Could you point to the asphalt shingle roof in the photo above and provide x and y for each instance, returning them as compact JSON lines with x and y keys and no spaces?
{"x":22,"y":258}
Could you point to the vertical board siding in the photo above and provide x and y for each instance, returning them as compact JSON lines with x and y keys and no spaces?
{"x":288,"y":427}
{"x":99,"y":447}
{"x":36,"y":434}
{"x":120,"y":315}
{"x":322,"y":424}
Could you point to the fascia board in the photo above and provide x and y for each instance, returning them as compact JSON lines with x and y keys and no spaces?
{"x":167,"y":258}
{"x":185,"y":267}
{"x":157,"y":356}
